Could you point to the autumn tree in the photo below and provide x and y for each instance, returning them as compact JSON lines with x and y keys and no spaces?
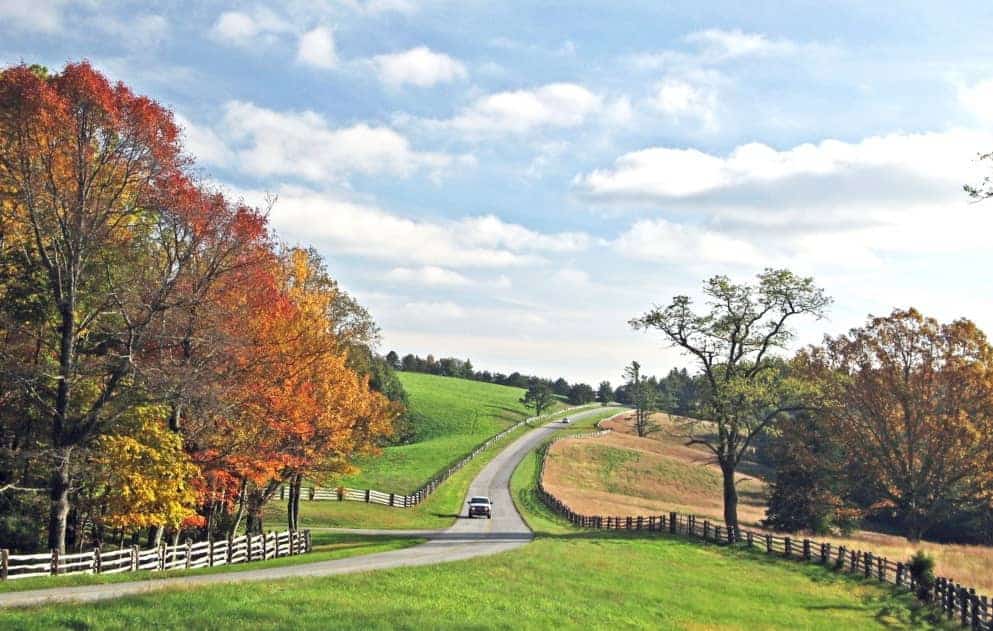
{"x":915,"y":407}
{"x":732,"y":340}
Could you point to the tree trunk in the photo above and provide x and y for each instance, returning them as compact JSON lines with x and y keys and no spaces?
{"x":236,"y":522}
{"x":293,"y":502}
{"x":730,"y":503}
{"x":59,"y":508}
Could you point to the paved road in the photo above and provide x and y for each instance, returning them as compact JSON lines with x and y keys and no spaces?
{"x":467,"y":538}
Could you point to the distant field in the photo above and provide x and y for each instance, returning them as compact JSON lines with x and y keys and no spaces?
{"x":450,"y":417}
{"x":622,"y":474}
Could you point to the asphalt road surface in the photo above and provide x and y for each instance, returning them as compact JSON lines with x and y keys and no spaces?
{"x":466,"y":539}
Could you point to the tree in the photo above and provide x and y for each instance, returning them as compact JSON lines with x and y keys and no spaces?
{"x":561,"y":387}
{"x":581,"y":394}
{"x":983,"y":190}
{"x":812,"y":489}
{"x":539,"y":397}
{"x":914,"y":403}
{"x":94,"y":175}
{"x":732,"y":341}
{"x":393,"y":360}
{"x":605,"y":394}
{"x":642,"y":395}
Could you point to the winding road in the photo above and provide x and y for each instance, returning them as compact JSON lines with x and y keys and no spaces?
{"x":467,"y":538}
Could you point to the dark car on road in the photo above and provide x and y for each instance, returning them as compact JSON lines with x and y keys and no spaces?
{"x":481,"y":506}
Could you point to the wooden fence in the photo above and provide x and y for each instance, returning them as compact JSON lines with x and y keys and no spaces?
{"x":955,"y":601}
{"x":398,"y":500}
{"x":163,"y":557}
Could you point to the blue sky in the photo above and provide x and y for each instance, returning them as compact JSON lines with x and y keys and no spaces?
{"x":513,"y":181}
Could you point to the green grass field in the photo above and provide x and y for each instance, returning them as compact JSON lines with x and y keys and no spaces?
{"x":327,"y":546}
{"x":450,"y":417}
{"x":565,"y":579}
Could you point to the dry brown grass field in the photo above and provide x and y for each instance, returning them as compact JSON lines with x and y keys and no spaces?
{"x":621,"y":474}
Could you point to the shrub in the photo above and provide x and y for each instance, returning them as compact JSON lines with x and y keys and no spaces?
{"x":922,"y":571}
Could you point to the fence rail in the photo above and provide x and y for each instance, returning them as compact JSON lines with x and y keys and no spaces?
{"x":399,"y":500}
{"x":163,"y":557}
{"x":955,"y":601}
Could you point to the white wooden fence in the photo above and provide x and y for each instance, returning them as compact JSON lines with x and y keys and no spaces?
{"x":163,"y":557}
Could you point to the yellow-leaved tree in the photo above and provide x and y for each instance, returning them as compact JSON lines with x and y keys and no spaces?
{"x":142,"y":474}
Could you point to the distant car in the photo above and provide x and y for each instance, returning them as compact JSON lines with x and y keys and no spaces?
{"x":480,"y":506}
{"x":566,"y":420}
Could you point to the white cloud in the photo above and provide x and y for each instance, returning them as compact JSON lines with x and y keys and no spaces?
{"x":662,"y":241}
{"x":317,"y":49}
{"x":203,"y":143}
{"x":429,"y":275}
{"x":660,"y":173}
{"x":571,"y":277}
{"x":348,"y":227}
{"x":239,"y":28}
{"x":43,"y":16}
{"x":375,"y":7}
{"x":418,"y":66}
{"x":978,"y":99}
{"x":304,"y":144}
{"x":720,"y":44}
{"x":681,"y":99}
{"x":553,"y":105}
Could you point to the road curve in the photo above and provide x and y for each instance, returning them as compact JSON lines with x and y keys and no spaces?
{"x":465,"y":539}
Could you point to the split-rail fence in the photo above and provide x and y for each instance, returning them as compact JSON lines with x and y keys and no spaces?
{"x":209,"y":553}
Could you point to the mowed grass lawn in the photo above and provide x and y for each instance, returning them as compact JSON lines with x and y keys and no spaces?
{"x":564,"y":579}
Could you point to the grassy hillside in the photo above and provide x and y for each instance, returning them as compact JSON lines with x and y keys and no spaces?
{"x":450,"y":417}
{"x":565,"y":579}
{"x":622,"y":474}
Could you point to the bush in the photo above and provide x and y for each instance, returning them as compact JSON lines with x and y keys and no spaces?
{"x":922,"y":571}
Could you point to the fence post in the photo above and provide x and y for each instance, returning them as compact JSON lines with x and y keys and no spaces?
{"x":672,"y":523}
{"x":134,"y":558}
{"x":717,"y":534}
{"x":768,"y":544}
{"x":230,"y":546}
{"x":788,"y":547}
{"x":265,"y":551}
{"x":313,"y":493}
{"x":97,"y":560}
{"x":806,"y":549}
{"x":189,"y":552}
{"x":748,"y":538}
{"x":867,"y":560}
{"x":4,"y":563}
{"x":706,"y":529}
{"x":964,"y":604}
{"x":825,"y":553}
{"x":307,"y":538}
{"x":899,"y":574}
{"x":162,"y":555}
{"x":974,"y":606}
{"x":854,"y":561}
{"x":391,"y":499}
{"x":367,"y":495}
{"x":881,"y":568}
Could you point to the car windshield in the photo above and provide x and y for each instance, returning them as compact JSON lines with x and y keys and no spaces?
{"x":480,"y":500}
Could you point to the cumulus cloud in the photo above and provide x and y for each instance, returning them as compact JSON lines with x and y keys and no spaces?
{"x":556,"y":105}
{"x":429,"y":275}
{"x":680,"y":98}
{"x":720,"y":44}
{"x":663,"y":173}
{"x":243,"y":28}
{"x":304,"y":145}
{"x":317,"y":49}
{"x":349,"y":227}
{"x":419,"y":66}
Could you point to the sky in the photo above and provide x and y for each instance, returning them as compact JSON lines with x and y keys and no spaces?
{"x":512,"y":182}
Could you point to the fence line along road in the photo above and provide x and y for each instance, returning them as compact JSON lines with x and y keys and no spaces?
{"x":163,"y":557}
{"x":955,"y":601}
{"x":399,"y":500}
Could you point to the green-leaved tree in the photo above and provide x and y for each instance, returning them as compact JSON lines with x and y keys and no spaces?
{"x":732,"y":339}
